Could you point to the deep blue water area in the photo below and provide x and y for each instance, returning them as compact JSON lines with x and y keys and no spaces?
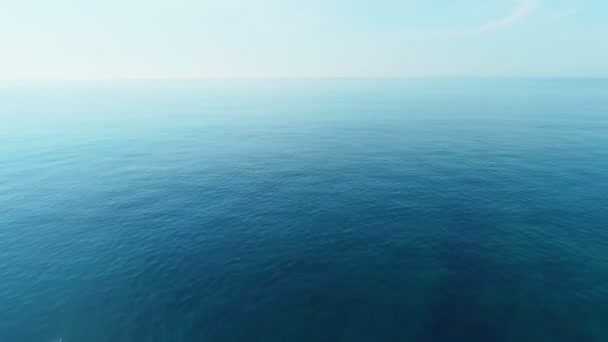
{"x":304,"y":210}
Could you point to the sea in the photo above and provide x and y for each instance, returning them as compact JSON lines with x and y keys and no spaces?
{"x":441,"y":209}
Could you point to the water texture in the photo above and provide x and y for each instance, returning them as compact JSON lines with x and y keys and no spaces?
{"x":304,"y":210}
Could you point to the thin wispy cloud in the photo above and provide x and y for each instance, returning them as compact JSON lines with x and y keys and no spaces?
{"x":525,"y":8}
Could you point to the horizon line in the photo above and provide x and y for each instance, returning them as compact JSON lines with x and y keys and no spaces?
{"x":202,"y":78}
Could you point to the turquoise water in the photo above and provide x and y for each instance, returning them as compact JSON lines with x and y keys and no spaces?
{"x":304,"y":210}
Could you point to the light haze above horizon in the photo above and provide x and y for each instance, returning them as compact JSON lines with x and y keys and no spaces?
{"x":123,"y":39}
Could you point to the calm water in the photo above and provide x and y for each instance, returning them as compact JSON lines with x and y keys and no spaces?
{"x":304,"y":210}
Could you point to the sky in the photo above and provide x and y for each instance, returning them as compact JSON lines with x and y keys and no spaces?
{"x":125,"y":39}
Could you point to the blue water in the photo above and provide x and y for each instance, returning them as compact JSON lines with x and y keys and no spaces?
{"x":304,"y":210}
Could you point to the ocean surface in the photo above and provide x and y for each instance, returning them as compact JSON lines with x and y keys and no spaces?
{"x":304,"y":210}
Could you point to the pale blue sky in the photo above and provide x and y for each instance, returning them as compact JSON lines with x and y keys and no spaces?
{"x":59,"y":39}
